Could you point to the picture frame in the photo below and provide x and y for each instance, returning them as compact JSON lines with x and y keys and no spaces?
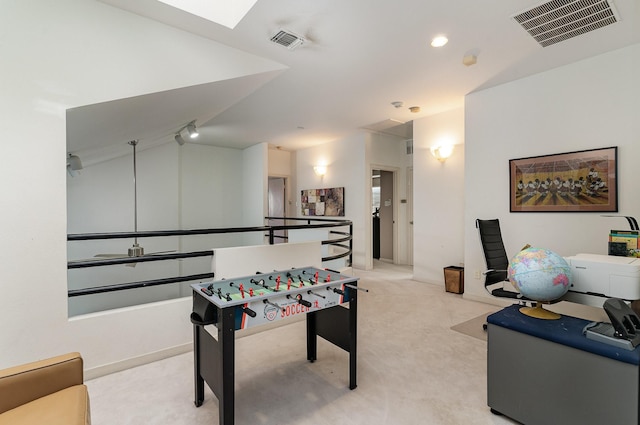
{"x":579,"y":181}
{"x":322,"y":202}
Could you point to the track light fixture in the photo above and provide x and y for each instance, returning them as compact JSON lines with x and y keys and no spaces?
{"x":73,"y":162}
{"x":191,"y":129}
{"x":179,"y":139}
{"x":74,"y":165}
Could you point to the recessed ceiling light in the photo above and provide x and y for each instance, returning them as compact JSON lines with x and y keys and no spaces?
{"x":439,"y":41}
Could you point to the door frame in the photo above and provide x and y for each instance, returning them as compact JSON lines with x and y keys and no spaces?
{"x":287,"y":194}
{"x":410,"y":218}
{"x":369,"y":217}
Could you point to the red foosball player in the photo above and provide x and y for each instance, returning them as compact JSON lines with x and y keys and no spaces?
{"x":242,"y":290}
{"x":251,"y":292}
{"x":278,"y":283}
{"x":288,"y":284}
{"x":316,"y":277}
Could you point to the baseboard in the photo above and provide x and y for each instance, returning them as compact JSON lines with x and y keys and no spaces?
{"x":108,"y":369}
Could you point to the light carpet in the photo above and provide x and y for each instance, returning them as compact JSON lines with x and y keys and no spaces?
{"x":412,"y":370}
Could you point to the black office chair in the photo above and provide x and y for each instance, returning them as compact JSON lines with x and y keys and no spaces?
{"x":496,"y":259}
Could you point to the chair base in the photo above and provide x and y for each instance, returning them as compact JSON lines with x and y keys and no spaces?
{"x":503,"y":293}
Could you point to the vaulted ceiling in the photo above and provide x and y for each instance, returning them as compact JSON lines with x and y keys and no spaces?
{"x":358,"y":58}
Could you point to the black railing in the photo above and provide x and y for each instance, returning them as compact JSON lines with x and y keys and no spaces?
{"x":325,"y":223}
{"x":133,"y":285}
{"x":140,"y":259}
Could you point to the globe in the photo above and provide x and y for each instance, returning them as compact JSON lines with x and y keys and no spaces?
{"x":540,"y":275}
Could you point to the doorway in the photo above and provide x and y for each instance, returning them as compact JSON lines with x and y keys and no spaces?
{"x":410,"y":215}
{"x":382,"y":210}
{"x":277,"y":206}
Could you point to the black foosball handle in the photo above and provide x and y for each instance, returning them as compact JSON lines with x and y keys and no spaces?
{"x":300,"y":300}
{"x":336,"y":290}
{"x":304,"y":302}
{"x":248,"y":311}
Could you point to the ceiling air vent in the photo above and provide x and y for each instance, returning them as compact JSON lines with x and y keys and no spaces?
{"x":288,"y":39}
{"x":559,"y":20}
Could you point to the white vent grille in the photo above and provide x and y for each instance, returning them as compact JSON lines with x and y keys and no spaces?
{"x":288,"y":39}
{"x":560,"y":20}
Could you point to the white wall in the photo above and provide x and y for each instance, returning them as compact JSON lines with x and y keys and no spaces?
{"x":390,"y":153}
{"x":349,"y":164}
{"x":208,"y":195}
{"x":70,"y":53}
{"x":345,"y":160}
{"x":590,"y":104}
{"x":438,"y":197}
{"x":179,"y":187}
{"x":101,"y":199}
{"x":58,"y":55}
{"x":207,"y":199}
{"x":254,"y":190}
{"x":279,"y":163}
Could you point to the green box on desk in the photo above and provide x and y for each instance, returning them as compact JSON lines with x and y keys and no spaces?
{"x":454,"y":279}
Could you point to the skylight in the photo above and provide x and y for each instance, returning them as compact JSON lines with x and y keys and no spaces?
{"x":223,"y":12}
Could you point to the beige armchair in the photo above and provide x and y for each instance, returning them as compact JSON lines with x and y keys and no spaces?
{"x":48,"y":392}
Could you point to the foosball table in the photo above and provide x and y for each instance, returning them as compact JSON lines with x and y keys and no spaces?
{"x":242,"y":303}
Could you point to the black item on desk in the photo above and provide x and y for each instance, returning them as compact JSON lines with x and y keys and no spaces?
{"x":624,"y":330}
{"x":618,"y":249}
{"x":605,"y":333}
{"x":624,"y":320}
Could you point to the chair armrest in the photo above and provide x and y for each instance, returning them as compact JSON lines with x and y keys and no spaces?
{"x":22,"y":384}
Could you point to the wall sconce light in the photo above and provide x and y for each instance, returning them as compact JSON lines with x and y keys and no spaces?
{"x":441,"y":153}
{"x":320,"y":170}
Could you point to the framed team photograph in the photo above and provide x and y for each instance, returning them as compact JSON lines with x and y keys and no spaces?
{"x":581,"y":181}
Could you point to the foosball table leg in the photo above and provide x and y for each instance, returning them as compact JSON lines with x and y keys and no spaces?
{"x":353,"y":349}
{"x":312,"y":341}
{"x":199,"y":381}
{"x":224,"y":387}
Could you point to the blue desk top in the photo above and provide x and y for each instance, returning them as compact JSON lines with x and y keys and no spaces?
{"x":566,"y":331}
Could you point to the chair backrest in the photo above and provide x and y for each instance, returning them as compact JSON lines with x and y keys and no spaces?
{"x":494,"y":252}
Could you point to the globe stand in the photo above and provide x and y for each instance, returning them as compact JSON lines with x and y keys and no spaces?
{"x":539,"y":313}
